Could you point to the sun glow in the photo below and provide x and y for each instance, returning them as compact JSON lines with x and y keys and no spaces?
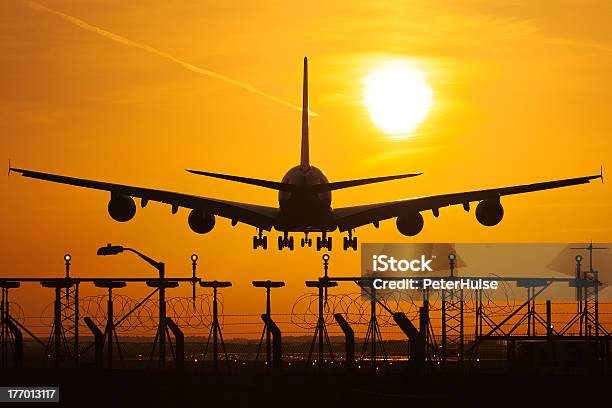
{"x":398,"y":97}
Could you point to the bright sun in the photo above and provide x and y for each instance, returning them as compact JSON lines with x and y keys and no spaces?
{"x":398,"y":97}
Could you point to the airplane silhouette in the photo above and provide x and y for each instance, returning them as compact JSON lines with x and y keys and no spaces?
{"x":304,"y":197}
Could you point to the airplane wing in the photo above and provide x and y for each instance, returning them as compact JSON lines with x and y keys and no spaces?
{"x":256,"y":215}
{"x":352,"y":217}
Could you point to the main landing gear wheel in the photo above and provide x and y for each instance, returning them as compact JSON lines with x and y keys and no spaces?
{"x":260,"y":241}
{"x":285,"y":242}
{"x":349,"y":242}
{"x":324,"y":242}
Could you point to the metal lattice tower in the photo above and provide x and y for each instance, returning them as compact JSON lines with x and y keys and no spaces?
{"x":588,"y":294}
{"x":70,"y":317}
{"x":63,"y":343}
{"x":452,"y":319}
{"x":590,"y":322}
{"x":452,"y":324}
{"x":11,"y":340}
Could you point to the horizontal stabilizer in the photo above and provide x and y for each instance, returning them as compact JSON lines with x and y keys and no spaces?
{"x":246,"y":180}
{"x":360,"y":182}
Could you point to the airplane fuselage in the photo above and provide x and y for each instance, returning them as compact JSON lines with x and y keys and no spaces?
{"x":304,"y":209}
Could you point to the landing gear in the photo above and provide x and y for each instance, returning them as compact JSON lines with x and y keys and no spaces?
{"x":324,"y":242}
{"x":285,"y":242}
{"x":306,"y":241}
{"x":259,"y":240}
{"x":350,"y":242}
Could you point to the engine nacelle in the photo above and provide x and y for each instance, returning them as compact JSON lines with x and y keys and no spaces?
{"x":201,"y":222}
{"x":489,"y":212}
{"x":410,"y":224}
{"x":121,"y":208}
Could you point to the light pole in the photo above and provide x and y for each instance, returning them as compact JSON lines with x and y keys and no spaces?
{"x":161,"y":285}
{"x":117,"y":249}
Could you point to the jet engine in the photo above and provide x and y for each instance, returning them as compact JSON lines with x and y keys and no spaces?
{"x":410,"y":224}
{"x":489,"y":212}
{"x":201,"y":222}
{"x":121,"y":208}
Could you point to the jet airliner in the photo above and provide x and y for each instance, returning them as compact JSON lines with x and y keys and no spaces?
{"x":304,"y":198}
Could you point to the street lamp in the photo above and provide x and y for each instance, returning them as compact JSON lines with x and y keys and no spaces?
{"x":117,"y":249}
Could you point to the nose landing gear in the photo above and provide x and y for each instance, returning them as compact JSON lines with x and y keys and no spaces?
{"x":259,"y":240}
{"x":285,"y":242}
{"x":306,"y":241}
{"x":324,"y":242}
{"x":350,"y":242}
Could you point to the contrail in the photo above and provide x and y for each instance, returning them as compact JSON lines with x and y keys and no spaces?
{"x":125,"y":41}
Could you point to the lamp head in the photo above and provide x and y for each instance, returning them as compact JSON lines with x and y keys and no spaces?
{"x":578,"y":258}
{"x":194,"y":258}
{"x":451,"y":257}
{"x":268,"y":284}
{"x":110,"y":250}
{"x":67,"y":257}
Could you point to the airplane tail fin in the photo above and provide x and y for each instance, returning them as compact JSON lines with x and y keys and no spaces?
{"x":305,"y":158}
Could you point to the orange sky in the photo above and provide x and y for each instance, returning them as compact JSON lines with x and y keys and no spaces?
{"x":521,"y":90}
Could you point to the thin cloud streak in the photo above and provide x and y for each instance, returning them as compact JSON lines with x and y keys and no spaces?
{"x":127,"y":42}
